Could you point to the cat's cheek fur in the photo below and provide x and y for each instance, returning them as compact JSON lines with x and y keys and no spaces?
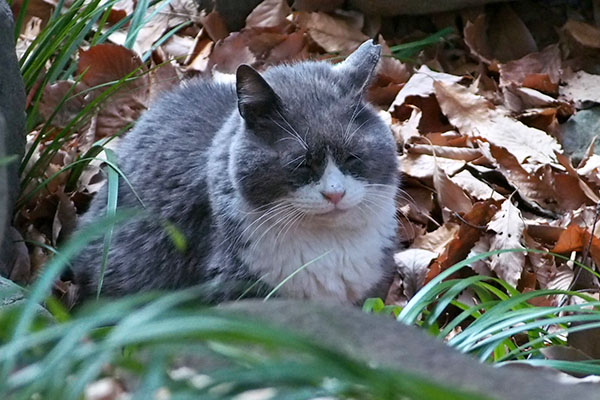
{"x":353,"y":254}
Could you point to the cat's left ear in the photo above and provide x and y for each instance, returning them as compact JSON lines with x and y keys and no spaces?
{"x":359,"y":66}
{"x":255,"y":96}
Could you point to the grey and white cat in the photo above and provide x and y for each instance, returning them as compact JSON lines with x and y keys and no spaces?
{"x":262,"y":177}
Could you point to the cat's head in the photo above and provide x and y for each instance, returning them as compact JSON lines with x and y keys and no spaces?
{"x":309,"y":143}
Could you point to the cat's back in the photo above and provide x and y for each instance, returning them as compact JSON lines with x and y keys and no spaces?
{"x":165,"y":154}
{"x":183,"y":119}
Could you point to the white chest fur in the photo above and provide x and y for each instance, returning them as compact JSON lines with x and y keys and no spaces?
{"x":350,"y":254}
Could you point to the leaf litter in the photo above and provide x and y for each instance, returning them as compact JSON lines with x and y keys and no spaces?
{"x":481,"y":120}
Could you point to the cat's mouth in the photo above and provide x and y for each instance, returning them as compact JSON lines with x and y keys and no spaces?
{"x":334,"y":212}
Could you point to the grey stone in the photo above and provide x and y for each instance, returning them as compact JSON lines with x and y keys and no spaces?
{"x":384,"y":342}
{"x":12,"y":138}
{"x":578,"y":132}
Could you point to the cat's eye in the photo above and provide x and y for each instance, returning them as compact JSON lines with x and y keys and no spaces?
{"x":302,"y":166}
{"x":351,"y":159}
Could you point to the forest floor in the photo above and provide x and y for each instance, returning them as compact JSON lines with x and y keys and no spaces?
{"x":494,"y":109}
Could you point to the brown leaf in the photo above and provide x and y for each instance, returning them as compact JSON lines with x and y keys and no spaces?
{"x":453,"y":152}
{"x":530,"y":186}
{"x":120,"y":10}
{"x":415,"y":204}
{"x":334,"y":35}
{"x":163,"y":76}
{"x":20,"y":271}
{"x":391,"y":69}
{"x":468,"y":234}
{"x":421,"y":85}
{"x":317,"y":5}
{"x":568,"y":353}
{"x":200,"y":59}
{"x":583,"y":33}
{"x":565,"y":162}
{"x":180,"y":48}
{"x":437,"y":240}
{"x":107,"y":63}
{"x":572,"y":239}
{"x":576,"y":238}
{"x":449,"y":194}
{"x":539,"y":70}
{"x":65,"y":218}
{"x":475,"y":34}
{"x":214,"y":25}
{"x":292,"y":48}
{"x":508,"y":36}
{"x":544,"y":265}
{"x":473,"y":115}
{"x":52,"y":97}
{"x":406,"y":130}
{"x":269,"y":14}
{"x":229,"y":53}
{"x":481,"y":267}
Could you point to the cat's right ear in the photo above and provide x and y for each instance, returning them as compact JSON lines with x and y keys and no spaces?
{"x":255,"y":96}
{"x":358,"y":68}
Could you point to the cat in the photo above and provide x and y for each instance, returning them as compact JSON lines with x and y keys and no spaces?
{"x":285,"y":169}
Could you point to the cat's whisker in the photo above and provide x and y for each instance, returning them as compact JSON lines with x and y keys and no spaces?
{"x":367,"y":204}
{"x":294,"y":136}
{"x":406,"y":196}
{"x":295,"y":159}
{"x":266,"y":216}
{"x":383,"y":196}
{"x":297,"y":166}
{"x":357,"y":157}
{"x":286,"y":215}
{"x":301,"y":215}
{"x":374,"y":203}
{"x":289,"y":224}
{"x":357,"y":129}
{"x":354,"y":114}
{"x":293,"y":131}
{"x":260,"y":209}
{"x":364,"y":213}
{"x":387,"y":185}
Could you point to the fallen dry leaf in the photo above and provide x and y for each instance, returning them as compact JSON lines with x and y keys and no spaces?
{"x":436,"y":240}
{"x":581,"y":88}
{"x":412,"y":264}
{"x":334,"y":35}
{"x":471,"y":229}
{"x":508,"y":225}
{"x":269,"y":14}
{"x":52,"y":97}
{"x":421,"y":85}
{"x":583,"y":33}
{"x":108,"y":63}
{"x":529,"y":185}
{"x":423,"y":166}
{"x":215,"y":25}
{"x":449,"y":194}
{"x":473,"y":115}
{"x":540,"y":70}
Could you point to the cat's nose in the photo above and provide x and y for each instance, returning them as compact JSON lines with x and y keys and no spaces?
{"x":334,"y":196}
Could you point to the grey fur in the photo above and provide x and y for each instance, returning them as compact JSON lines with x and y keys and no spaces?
{"x":196,"y":162}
